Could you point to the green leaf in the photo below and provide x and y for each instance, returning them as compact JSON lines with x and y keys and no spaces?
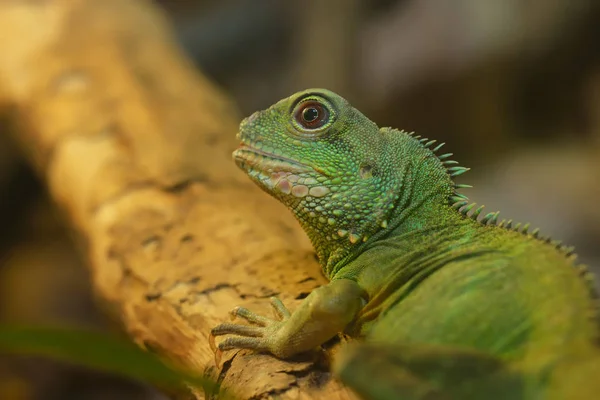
{"x":99,"y":351}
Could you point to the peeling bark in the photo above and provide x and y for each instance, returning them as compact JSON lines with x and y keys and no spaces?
{"x":134,"y":145}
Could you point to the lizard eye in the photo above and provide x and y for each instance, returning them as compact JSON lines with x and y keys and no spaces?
{"x":311,"y":115}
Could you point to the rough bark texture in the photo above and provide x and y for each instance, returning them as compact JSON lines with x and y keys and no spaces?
{"x":135,"y":148}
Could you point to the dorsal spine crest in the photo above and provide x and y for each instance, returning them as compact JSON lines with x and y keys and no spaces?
{"x":460,"y":202}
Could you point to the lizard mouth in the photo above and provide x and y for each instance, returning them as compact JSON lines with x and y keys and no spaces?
{"x":248,"y":157}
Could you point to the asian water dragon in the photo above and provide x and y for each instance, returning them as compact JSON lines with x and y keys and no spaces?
{"x":450,"y":304}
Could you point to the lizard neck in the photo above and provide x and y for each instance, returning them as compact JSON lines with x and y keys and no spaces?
{"x":415,"y":197}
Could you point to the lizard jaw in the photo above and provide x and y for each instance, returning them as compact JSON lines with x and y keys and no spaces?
{"x":250,"y":158}
{"x":278,"y":175}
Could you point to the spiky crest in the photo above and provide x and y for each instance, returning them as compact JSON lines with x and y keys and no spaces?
{"x":460,"y":202}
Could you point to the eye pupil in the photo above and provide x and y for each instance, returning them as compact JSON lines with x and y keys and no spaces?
{"x":310,"y":114}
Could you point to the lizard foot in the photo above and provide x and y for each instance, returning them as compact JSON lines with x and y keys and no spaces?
{"x":257,"y":336}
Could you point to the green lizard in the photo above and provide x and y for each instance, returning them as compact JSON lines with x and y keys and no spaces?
{"x":450,"y":305}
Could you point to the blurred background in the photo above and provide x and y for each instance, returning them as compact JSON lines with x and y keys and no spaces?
{"x":512,"y":86}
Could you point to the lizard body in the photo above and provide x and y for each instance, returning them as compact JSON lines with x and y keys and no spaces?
{"x":449,"y":304}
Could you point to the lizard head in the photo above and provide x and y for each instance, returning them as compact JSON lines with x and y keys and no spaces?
{"x":323,"y":159}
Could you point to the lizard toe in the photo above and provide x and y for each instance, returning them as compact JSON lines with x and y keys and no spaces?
{"x":281,"y":311}
{"x":249,"y":316}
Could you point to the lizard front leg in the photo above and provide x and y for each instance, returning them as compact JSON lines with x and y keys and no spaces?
{"x":325,"y":312}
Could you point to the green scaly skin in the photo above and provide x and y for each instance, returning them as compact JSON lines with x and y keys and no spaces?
{"x":448,"y":304}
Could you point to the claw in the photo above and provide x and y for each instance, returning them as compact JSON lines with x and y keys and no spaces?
{"x":211,"y":342}
{"x":233,"y":313}
{"x":218,"y":354}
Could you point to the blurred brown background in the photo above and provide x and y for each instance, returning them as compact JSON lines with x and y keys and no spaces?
{"x":513,"y":87}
